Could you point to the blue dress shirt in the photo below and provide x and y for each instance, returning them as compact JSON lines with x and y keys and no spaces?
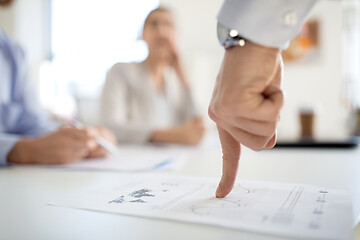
{"x":20,"y":112}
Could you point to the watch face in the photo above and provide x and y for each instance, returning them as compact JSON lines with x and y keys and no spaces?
{"x":222,"y":33}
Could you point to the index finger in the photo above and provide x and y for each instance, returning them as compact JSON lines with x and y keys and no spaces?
{"x":231,"y":154}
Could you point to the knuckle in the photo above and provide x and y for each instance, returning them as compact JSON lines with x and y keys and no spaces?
{"x":257,"y":148}
{"x":281,"y":96}
{"x":227,"y":105}
{"x":258,"y":143}
{"x":279,"y":100}
{"x":221,"y":109}
{"x":86,"y":133}
{"x":211,"y":114}
{"x":228,"y":155}
{"x":268,"y":132}
{"x":274,"y":115}
{"x":84,"y":143}
{"x":270,"y":129}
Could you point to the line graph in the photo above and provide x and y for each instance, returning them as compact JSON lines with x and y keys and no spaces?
{"x":215,"y":206}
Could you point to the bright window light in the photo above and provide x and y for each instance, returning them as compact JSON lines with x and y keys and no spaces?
{"x":88,"y":37}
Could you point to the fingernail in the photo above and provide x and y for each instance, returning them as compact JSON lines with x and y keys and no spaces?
{"x":218,"y":192}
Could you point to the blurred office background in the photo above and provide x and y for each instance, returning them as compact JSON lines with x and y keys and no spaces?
{"x":70,"y":45}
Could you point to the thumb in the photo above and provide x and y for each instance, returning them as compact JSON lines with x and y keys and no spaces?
{"x":231,"y":154}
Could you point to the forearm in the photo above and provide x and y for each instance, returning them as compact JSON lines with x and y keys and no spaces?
{"x":165,"y":136}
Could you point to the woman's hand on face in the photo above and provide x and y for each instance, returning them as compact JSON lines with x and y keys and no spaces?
{"x":173,"y":58}
{"x":176,"y":63}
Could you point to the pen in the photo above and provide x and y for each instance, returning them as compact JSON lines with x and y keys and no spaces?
{"x":162,"y":164}
{"x":113,"y":150}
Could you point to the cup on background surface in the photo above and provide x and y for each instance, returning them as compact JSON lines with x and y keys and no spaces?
{"x":357,"y":123}
{"x":307,"y":117}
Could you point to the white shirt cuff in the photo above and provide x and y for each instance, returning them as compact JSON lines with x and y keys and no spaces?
{"x":272,"y":23}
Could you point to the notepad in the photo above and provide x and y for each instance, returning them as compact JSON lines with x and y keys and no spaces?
{"x":289,"y":210}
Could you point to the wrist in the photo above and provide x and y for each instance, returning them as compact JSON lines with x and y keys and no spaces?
{"x":21,"y":152}
{"x":258,"y":60}
{"x":254,"y":47}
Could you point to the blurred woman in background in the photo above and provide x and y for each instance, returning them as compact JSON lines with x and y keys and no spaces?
{"x":151,"y":101}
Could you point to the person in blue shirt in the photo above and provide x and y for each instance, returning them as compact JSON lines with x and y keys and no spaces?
{"x":27,"y":135}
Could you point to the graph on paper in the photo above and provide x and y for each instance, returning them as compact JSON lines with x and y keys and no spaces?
{"x":291,"y":210}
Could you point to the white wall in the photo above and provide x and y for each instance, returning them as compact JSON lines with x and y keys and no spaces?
{"x":196,"y":22}
{"x":320,"y":83}
{"x":24,"y":22}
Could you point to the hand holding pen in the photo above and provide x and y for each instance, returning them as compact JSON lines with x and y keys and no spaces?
{"x":105,"y":139}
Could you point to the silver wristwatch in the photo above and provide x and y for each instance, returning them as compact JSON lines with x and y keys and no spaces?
{"x":229,"y":37}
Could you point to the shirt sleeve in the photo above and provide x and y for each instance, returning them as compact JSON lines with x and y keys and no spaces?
{"x":20,"y":113}
{"x":34,"y":120}
{"x":7,"y":142}
{"x":271,"y":23}
{"x":114,"y":110}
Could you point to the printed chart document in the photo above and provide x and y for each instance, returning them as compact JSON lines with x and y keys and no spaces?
{"x":290,"y":210}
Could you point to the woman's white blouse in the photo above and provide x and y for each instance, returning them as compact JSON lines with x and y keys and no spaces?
{"x":133,"y":108}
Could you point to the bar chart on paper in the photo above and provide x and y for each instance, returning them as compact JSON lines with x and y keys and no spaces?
{"x":290,"y":210}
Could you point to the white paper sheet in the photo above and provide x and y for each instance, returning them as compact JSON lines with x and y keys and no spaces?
{"x":134,"y":163}
{"x":290,"y":210}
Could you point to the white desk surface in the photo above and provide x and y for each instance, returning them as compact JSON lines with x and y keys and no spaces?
{"x":25,"y":192}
